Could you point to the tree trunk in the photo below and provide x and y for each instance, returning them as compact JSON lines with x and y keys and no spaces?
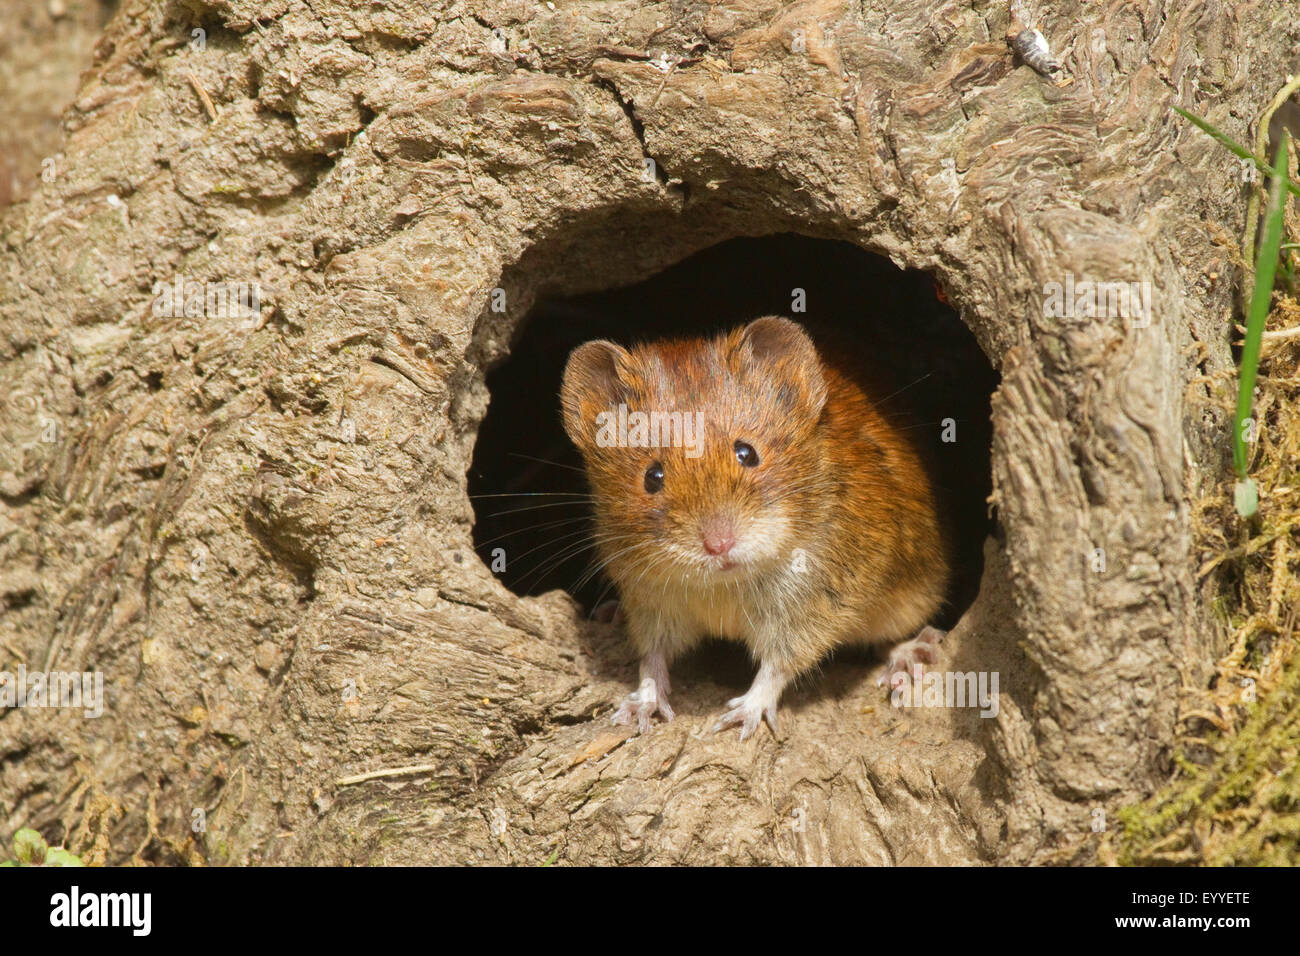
{"x":259,"y":531}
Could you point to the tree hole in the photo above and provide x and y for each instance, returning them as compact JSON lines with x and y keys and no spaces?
{"x":532,"y":519}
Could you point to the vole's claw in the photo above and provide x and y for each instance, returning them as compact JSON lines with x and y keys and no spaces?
{"x":757,"y":703}
{"x":729,"y":719}
{"x":749,"y":714}
{"x":642,"y":704}
{"x":910,"y":655}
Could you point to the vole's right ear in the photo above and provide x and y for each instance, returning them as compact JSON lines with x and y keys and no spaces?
{"x":785,"y":351}
{"x":592,"y":384}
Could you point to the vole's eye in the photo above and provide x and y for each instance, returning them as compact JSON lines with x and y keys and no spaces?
{"x":654,"y":478}
{"x":746,"y":455}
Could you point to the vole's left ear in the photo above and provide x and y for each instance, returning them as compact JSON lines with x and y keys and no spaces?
{"x":783,"y":349}
{"x":593,"y":382}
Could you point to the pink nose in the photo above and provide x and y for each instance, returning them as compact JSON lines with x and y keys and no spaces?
{"x":718,"y":536}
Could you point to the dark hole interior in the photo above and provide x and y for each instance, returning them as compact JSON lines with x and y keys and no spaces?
{"x":526,"y":480}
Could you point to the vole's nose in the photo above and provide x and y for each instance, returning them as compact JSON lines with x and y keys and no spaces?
{"x":718,"y":535}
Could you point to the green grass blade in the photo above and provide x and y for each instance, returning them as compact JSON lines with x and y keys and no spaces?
{"x":1232,"y":145}
{"x":1265,"y":270}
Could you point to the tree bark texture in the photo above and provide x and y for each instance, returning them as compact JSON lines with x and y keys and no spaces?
{"x":259,"y":531}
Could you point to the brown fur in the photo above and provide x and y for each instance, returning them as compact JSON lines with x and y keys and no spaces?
{"x":836,"y":479}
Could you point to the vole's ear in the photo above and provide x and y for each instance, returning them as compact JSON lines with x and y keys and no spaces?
{"x":783,"y":349}
{"x":591,"y":385}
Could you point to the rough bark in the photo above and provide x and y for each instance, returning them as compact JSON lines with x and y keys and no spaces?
{"x":43,"y":49}
{"x":278,"y":605}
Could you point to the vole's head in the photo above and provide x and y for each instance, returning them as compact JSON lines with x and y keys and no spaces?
{"x":703,"y":455}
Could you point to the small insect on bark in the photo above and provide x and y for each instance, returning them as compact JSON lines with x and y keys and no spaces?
{"x":1031,"y":46}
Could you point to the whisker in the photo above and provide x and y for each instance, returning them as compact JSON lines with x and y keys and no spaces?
{"x":547,"y":544}
{"x":567,"y":553}
{"x":903,"y":389}
{"x":531,"y":527}
{"x":549,"y":504}
{"x":534,"y":494}
{"x":546,"y":461}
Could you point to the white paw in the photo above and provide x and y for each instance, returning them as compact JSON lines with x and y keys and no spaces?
{"x":749,"y":711}
{"x":644,"y":703}
{"x":911,"y":655}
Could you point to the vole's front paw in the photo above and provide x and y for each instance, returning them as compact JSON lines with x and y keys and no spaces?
{"x":749,"y":711}
{"x":644,"y":703}
{"x":910,"y":655}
